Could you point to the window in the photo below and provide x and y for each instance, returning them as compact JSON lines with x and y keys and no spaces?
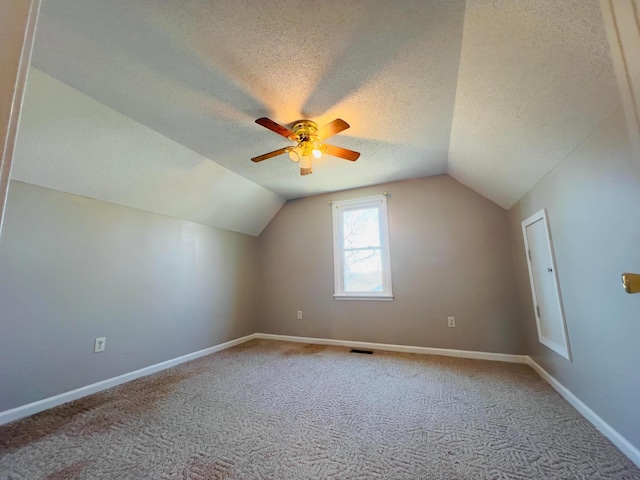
{"x":362,"y":267}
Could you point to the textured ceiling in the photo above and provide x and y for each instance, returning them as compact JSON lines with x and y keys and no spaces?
{"x":200,"y":73}
{"x":493,"y":92}
{"x":535,"y":79}
{"x":70,"y":142}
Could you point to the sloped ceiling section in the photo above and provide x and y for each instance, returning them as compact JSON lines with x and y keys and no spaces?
{"x":200,"y":73}
{"x":70,"y":142}
{"x":535,"y":79}
{"x":494,"y":92}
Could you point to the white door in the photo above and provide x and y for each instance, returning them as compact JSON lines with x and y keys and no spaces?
{"x":547,"y":303}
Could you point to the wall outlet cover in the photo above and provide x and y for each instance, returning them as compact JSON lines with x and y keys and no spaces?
{"x":99,"y":344}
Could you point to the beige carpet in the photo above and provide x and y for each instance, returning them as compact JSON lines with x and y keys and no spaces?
{"x":275,"y":410}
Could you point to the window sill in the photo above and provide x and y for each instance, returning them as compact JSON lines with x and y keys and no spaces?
{"x":384,"y":298}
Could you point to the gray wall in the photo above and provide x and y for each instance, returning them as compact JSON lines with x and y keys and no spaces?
{"x":72,"y":269}
{"x":450,"y":256}
{"x":592,"y":200}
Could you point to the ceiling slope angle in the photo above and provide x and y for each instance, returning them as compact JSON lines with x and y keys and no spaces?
{"x":69,"y":142}
{"x":201,"y":72}
{"x":535,"y":80}
{"x":494,"y":93}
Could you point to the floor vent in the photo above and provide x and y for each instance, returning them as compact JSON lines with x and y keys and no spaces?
{"x":355,"y":350}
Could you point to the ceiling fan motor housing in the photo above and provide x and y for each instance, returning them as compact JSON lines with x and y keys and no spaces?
{"x":305,"y":130}
{"x":305,"y":127}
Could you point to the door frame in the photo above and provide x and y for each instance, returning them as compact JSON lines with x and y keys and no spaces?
{"x":17,"y":44}
{"x":562,"y":350}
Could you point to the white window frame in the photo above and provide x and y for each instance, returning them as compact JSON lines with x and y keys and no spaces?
{"x":337,"y":208}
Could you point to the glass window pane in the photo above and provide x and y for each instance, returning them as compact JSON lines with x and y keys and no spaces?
{"x":363,"y":271}
{"x":361,"y":228}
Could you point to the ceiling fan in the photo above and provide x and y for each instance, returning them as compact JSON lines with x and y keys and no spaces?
{"x":309,"y":138}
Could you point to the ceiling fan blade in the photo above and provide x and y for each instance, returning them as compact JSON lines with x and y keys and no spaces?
{"x":277,"y":128}
{"x":306,"y":171}
{"x":275,"y":153}
{"x":341,"y":153}
{"x":331,"y":128}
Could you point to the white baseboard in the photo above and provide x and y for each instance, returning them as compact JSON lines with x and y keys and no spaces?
{"x":607,"y":430}
{"x":618,"y":440}
{"x":50,"y":402}
{"x":445,"y":352}
{"x":44,"y":404}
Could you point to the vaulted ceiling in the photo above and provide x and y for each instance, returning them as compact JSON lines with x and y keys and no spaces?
{"x":494,"y":93}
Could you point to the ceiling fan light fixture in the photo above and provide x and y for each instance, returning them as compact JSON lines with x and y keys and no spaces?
{"x":295,"y":154}
{"x":310,"y":140}
{"x":305,"y":162}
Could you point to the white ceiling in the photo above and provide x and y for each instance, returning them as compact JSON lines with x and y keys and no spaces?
{"x":535,"y":79}
{"x":495,"y":93}
{"x":70,"y":142}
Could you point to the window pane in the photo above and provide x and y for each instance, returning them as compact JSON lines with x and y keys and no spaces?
{"x":363,"y":271}
{"x":361,"y":228}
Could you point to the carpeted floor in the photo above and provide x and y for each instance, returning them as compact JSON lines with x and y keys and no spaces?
{"x":276,"y":410}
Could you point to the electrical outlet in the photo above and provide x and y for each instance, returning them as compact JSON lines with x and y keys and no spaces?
{"x":99,"y":344}
{"x":299,"y":314}
{"x":451,"y":321}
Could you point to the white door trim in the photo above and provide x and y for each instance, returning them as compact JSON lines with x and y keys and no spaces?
{"x":9,"y":130}
{"x":541,"y":216}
